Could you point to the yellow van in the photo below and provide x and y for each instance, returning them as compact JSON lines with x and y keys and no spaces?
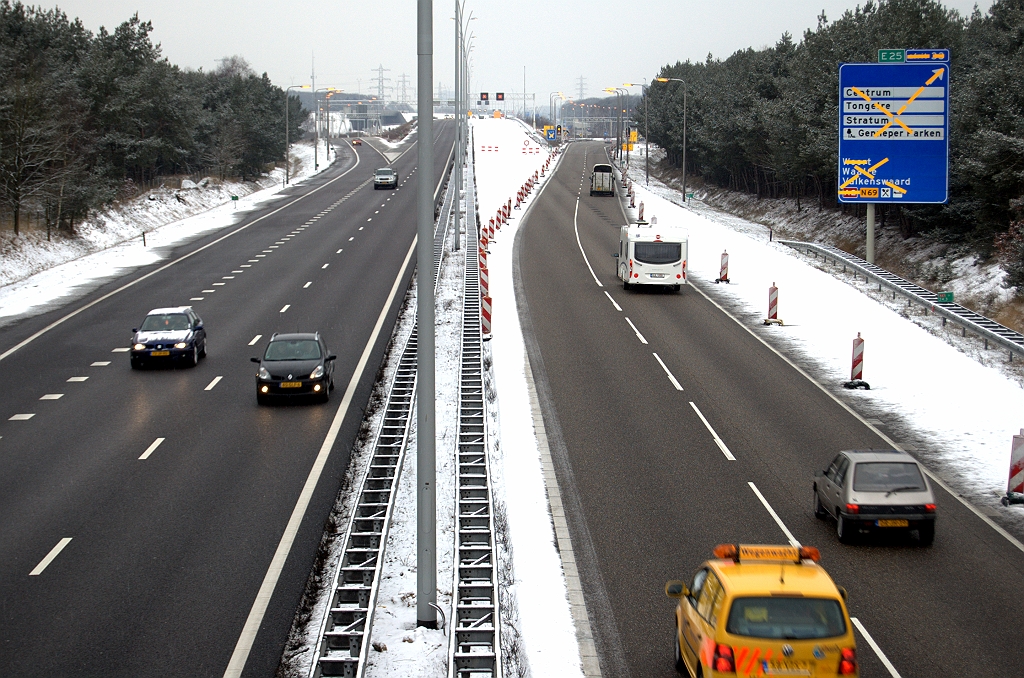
{"x":757,"y":610}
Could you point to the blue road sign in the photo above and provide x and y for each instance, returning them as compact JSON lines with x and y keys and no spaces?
{"x":551,"y":135}
{"x":894,"y":131}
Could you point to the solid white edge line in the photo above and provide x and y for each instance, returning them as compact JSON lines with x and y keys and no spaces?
{"x":617,"y":307}
{"x":778,"y":520}
{"x":152,"y":448}
{"x":54,"y":552}
{"x":255,"y":339}
{"x":874,"y":646}
{"x":216,"y":380}
{"x":988,"y":521}
{"x":638,"y":335}
{"x":671,"y":376}
{"x":106,"y":296}
{"x":259,"y":606}
{"x":718,"y":441}
{"x":575,"y":226}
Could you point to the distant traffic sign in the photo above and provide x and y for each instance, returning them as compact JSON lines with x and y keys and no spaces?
{"x":894,"y":131}
{"x":551,"y":135}
{"x":892,"y":56}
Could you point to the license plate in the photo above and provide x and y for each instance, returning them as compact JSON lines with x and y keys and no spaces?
{"x":291,"y":384}
{"x":892,"y":523}
{"x":657,"y":275}
{"x":785,"y":668}
{"x":160,"y":353}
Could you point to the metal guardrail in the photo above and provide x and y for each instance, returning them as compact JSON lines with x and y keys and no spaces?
{"x":474,"y":640}
{"x":343,"y":644}
{"x":987,"y":329}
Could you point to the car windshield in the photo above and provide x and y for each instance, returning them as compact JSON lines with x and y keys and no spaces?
{"x":883,"y":476}
{"x":657,"y":252}
{"x":384,"y":172}
{"x":294,"y":349}
{"x":165,"y":322}
{"x":791,"y":618}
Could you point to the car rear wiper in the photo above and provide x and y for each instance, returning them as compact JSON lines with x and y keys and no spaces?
{"x":901,"y":489}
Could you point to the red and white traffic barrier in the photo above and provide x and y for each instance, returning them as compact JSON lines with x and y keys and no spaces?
{"x":773,"y":306}
{"x":857,"y":368}
{"x":482,"y":256}
{"x":485,"y":286}
{"x":485,"y":317}
{"x":1016,"y":484}
{"x":641,"y":216}
{"x":723,"y":272}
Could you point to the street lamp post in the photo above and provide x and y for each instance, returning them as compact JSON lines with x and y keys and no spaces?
{"x":287,"y":145}
{"x":317,"y":121}
{"x":647,"y":143}
{"x":684,"y":127}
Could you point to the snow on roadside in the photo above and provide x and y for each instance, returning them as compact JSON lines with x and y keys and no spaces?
{"x":546,"y":626}
{"x":957,"y":415}
{"x":36,"y":274}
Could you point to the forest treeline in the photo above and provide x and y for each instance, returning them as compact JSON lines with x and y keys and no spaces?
{"x":87,"y":118}
{"x":765,"y":121}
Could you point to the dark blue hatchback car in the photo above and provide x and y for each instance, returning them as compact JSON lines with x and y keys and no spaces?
{"x":169,"y":335}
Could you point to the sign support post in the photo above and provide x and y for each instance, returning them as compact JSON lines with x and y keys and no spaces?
{"x":870,"y":238}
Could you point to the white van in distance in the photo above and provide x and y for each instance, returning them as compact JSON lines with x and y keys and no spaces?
{"x":650,"y":254}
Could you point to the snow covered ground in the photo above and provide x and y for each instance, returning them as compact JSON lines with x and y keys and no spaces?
{"x":36,"y":275}
{"x":956,"y":414}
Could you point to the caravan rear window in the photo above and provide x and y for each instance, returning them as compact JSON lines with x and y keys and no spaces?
{"x":603,"y":168}
{"x":657,"y":252}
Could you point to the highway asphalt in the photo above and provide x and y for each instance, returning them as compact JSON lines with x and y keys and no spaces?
{"x":649,"y":492}
{"x":167,"y":553}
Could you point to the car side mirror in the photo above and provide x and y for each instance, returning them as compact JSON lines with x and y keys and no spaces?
{"x":615,"y":254}
{"x":134,"y":330}
{"x":843,"y":593}
{"x":199,"y":326}
{"x":332,"y":357}
{"x":676,"y":589}
{"x":255,"y":360}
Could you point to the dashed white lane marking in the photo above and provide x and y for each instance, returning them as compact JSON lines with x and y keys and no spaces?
{"x":227,"y":277}
{"x":307,"y":284}
{"x":246,"y":266}
{"x":261,"y":255}
{"x":52,"y":396}
{"x":100,"y":363}
{"x":376,"y":212}
{"x":54,"y":552}
{"x":360,"y":228}
{"x":324,"y":266}
{"x":239,"y":271}
{"x":274,"y":247}
{"x":576,"y":227}
{"x":778,"y":520}
{"x":196,"y":298}
{"x":718,"y":441}
{"x":617,"y":307}
{"x":21,"y":417}
{"x":338,"y":252}
{"x":74,"y":380}
{"x":874,"y":646}
{"x":671,"y":377}
{"x":255,"y":339}
{"x":370,"y":219}
{"x":209,"y":291}
{"x":254,"y":261}
{"x":219,"y":284}
{"x":352,"y":238}
{"x":285,"y":308}
{"x":120,"y":349}
{"x":638,"y":335}
{"x":152,"y":448}
{"x":209,"y":387}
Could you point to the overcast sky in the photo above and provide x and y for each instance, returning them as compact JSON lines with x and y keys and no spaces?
{"x":557,"y":41}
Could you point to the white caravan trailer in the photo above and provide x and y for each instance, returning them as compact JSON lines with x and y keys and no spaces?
{"x":651,"y":254}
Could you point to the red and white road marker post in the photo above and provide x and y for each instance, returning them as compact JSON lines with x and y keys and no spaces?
{"x":857,"y":366}
{"x":1015,"y":488}
{"x":773,"y":306}
{"x":485,"y":317}
{"x":485,"y":282}
{"x":723,"y":272}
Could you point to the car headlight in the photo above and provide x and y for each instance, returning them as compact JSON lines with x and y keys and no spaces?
{"x":263,"y":374}
{"x":318,"y":372}
{"x":139,"y":347}
{"x":180,"y":344}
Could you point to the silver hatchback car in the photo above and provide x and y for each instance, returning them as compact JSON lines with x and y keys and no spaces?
{"x":875,"y":490}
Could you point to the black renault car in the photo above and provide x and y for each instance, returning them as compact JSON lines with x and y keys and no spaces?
{"x":296,"y":364}
{"x":169,"y":335}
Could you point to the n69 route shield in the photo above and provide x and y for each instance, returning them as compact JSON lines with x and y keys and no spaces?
{"x":894,"y":132}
